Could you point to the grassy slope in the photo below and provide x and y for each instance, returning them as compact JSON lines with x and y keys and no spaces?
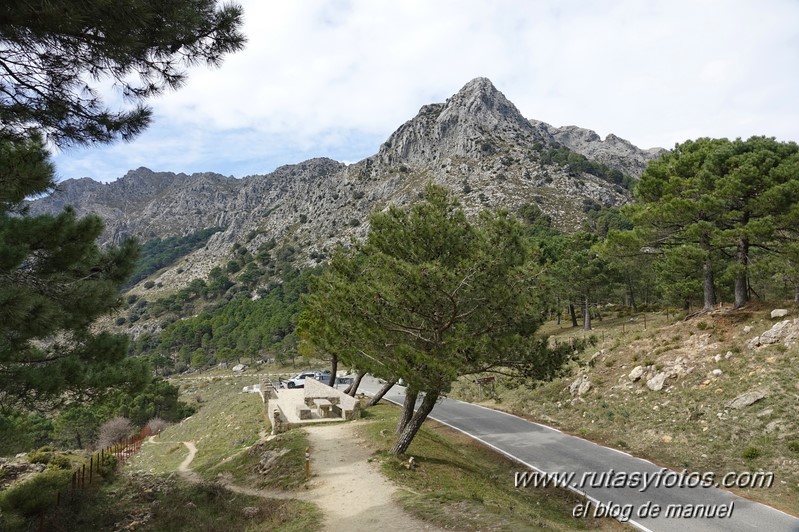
{"x":462,"y":485}
{"x":224,"y":429}
{"x":686,"y":424}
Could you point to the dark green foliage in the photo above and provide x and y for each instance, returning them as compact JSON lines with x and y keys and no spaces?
{"x":429,"y":297}
{"x":53,"y":52}
{"x":55,"y":280}
{"x":35,"y":495}
{"x":242,"y":327}
{"x":728,"y":202}
{"x":579,"y":163}
{"x":158,"y":253}
{"x":20,"y":432}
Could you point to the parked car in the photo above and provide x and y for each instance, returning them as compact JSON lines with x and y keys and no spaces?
{"x":298,"y":380}
{"x":322,"y":376}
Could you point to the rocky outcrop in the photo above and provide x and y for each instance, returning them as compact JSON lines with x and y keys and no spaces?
{"x":614,"y":152}
{"x":786,"y":332}
{"x":477,"y":144}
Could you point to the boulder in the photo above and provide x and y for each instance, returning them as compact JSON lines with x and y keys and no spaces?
{"x":636,"y":373}
{"x":779,"y":313}
{"x":746,"y":399}
{"x":238,"y":368}
{"x":656,"y":383}
{"x":786,"y":331}
{"x":580,"y":386}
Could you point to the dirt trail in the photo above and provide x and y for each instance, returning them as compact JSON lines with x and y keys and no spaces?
{"x":183,"y":468}
{"x":351,"y":493}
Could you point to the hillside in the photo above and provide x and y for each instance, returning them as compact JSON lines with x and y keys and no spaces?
{"x":477,"y":144}
{"x":696,"y":394}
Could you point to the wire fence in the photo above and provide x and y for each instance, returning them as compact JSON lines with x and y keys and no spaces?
{"x":52,"y":518}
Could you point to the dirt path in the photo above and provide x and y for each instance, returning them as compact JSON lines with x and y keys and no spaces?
{"x":351,"y":493}
{"x":183,"y":468}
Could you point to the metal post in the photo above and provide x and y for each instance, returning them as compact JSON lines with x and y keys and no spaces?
{"x":91,"y":468}
{"x":307,"y":463}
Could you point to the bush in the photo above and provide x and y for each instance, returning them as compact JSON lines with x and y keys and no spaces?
{"x":59,"y":461}
{"x":157,"y":425}
{"x":750,"y":453}
{"x":33,"y":496}
{"x":149,"y":284}
{"x":793,"y":446}
{"x":114,"y":431}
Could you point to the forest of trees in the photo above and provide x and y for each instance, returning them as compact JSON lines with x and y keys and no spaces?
{"x":160,"y":252}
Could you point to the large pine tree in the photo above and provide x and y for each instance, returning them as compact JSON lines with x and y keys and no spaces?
{"x":430,"y":297}
{"x":54,"y":282}
{"x":56,"y":57}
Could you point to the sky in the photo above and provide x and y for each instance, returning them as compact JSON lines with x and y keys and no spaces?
{"x":335,"y":78}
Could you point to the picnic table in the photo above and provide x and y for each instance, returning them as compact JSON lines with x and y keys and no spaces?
{"x":324,"y":406}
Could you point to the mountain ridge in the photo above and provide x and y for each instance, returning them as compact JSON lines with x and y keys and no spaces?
{"x":477,"y":144}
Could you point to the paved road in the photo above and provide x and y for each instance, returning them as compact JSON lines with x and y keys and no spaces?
{"x":548,"y":450}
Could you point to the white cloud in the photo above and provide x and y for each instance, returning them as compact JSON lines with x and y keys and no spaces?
{"x":336,"y":78}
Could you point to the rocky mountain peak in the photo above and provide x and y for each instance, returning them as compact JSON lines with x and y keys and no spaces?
{"x":479,"y":101}
{"x":465,"y":125}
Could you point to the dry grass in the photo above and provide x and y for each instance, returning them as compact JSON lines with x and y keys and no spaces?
{"x":686,"y":424}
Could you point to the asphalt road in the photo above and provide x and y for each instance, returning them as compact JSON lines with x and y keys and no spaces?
{"x":549,"y":451}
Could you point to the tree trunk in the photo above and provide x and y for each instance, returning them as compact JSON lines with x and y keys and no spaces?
{"x":379,"y":395}
{"x":796,"y":293}
{"x":354,"y":385}
{"x":587,"y":316}
{"x":77,"y":440}
{"x":407,"y":410}
{"x":557,"y":307}
{"x":333,"y":370}
{"x":415,"y":423}
{"x":741,"y":291}
{"x":708,"y":284}
{"x":630,"y":293}
{"x":572,"y":314}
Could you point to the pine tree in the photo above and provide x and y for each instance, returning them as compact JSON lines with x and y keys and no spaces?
{"x":55,"y":56}
{"x":723,"y":198}
{"x":430,"y":297}
{"x":54,"y":282}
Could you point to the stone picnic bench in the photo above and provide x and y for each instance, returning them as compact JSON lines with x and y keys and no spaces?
{"x":323,"y":406}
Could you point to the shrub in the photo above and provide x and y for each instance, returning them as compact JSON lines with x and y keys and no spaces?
{"x":701,"y":325}
{"x":149,"y":284}
{"x":120,"y":320}
{"x":114,"y":431}
{"x":59,"y":461}
{"x":35,"y":495}
{"x":793,"y":446}
{"x":750,"y":453}
{"x":157,"y":425}
{"x":40,"y":457}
